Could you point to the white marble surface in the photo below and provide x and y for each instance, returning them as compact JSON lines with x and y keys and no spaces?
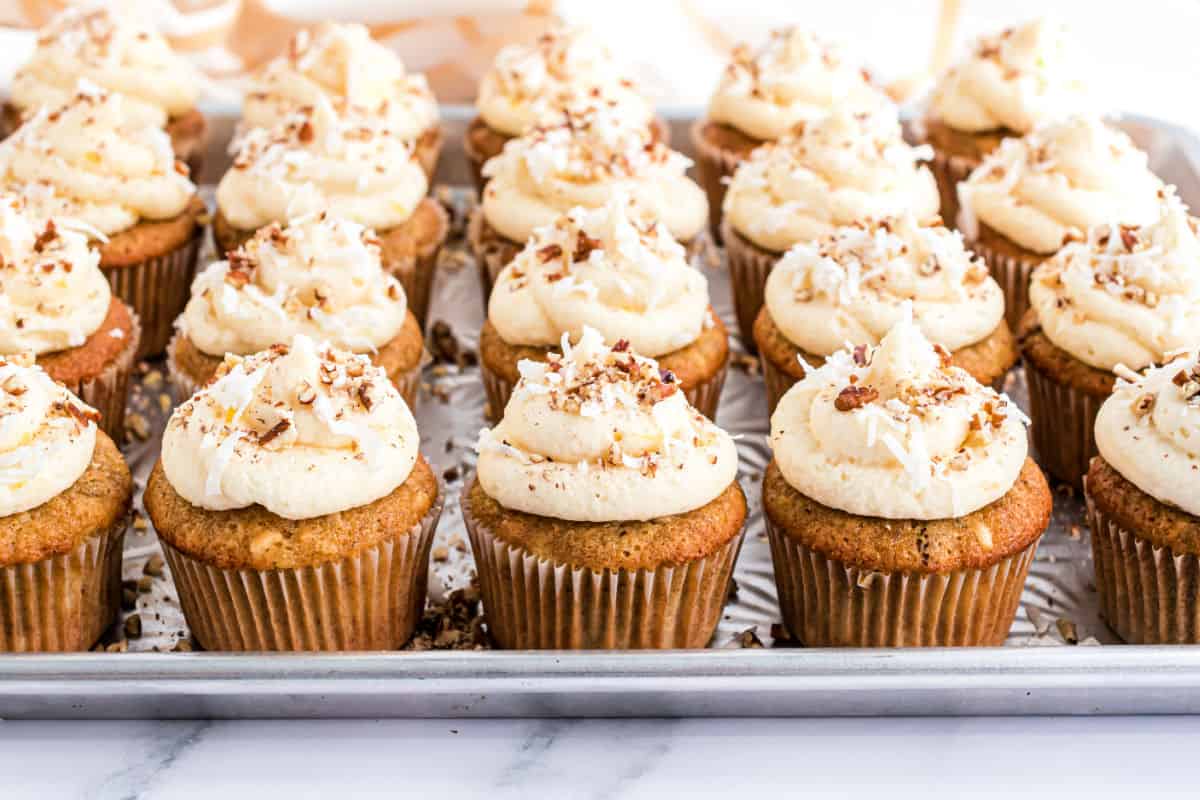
{"x":567,"y":759}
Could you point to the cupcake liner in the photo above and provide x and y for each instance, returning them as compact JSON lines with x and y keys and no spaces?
{"x":368,"y":601}
{"x":714,"y":167}
{"x":948,"y":170}
{"x":532,"y":603}
{"x":827,"y":603}
{"x":492,"y":253}
{"x":157,"y":289}
{"x":475,"y":160}
{"x":1013,"y":274}
{"x":1063,"y":429}
{"x":777,"y":382}
{"x":416,"y":274}
{"x":749,"y":267}
{"x":427,"y":149}
{"x":407,"y":383}
{"x":66,"y":601}
{"x":108,"y":392}
{"x":1148,"y":594}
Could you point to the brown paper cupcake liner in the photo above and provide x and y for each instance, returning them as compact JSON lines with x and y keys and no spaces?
{"x":492,"y":253}
{"x":777,"y":382}
{"x":368,"y":601}
{"x":1063,"y":429}
{"x":64,"y":602}
{"x":428,"y":149}
{"x":108,"y":392}
{"x":532,"y":603}
{"x":948,"y":170}
{"x":714,"y":167}
{"x":1013,"y":274}
{"x":748,"y":270}
{"x":416,"y":274}
{"x":475,"y":161}
{"x":158,"y":289}
{"x":827,"y":603}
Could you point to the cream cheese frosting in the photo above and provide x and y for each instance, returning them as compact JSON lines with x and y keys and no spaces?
{"x":856,"y":284}
{"x":1128,"y":295}
{"x":895,"y":432}
{"x":344,"y":65}
{"x":47,"y":436}
{"x":1054,"y":183}
{"x":832,"y":172}
{"x":793,"y":77}
{"x":1015,"y":80}
{"x":108,"y":170}
{"x":1148,"y":430}
{"x":616,"y":269}
{"x":320,"y":276}
{"x":526,"y":81}
{"x":115,"y":50}
{"x":599,"y":434}
{"x":303,"y":430}
{"x":582,"y":156}
{"x":317,"y":160}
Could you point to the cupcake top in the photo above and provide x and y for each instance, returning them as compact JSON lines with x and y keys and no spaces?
{"x":526,"y":81}
{"x":344,"y":65}
{"x":793,"y":77}
{"x":118,"y":52}
{"x":895,"y":432}
{"x":1057,"y":182}
{"x":581,"y":156}
{"x":108,"y":170}
{"x":303,"y":430}
{"x":47,"y":436}
{"x":320,"y":276}
{"x":835,"y":171}
{"x":856,"y":284}
{"x":616,"y":269}
{"x":1149,"y":431}
{"x":316,"y":160}
{"x":599,"y":434}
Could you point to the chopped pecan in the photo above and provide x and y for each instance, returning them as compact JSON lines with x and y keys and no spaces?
{"x":853,"y":397}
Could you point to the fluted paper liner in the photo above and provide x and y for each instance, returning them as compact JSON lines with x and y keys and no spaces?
{"x":416,"y":274}
{"x":948,"y":171}
{"x":1013,"y":274}
{"x":491,"y":256}
{"x":1064,"y":423}
{"x":109,"y":391}
{"x":475,"y":160}
{"x":827,"y":603}
{"x":777,"y":382}
{"x":64,"y":602}
{"x":427,"y":149}
{"x":368,"y":601}
{"x":157,"y":289}
{"x":714,"y":167}
{"x":748,"y":271}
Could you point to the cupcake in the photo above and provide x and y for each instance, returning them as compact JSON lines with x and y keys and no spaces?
{"x":344,"y":65}
{"x":794,"y":78}
{"x":1126,"y":296}
{"x":834,"y":172}
{"x":563,"y":66}
{"x":90,"y":161}
{"x":1143,"y":504}
{"x":856,"y":284}
{"x":901,"y":507}
{"x":65,"y":494}
{"x":320,"y":276}
{"x":1032,"y":195}
{"x":617,"y":270}
{"x":353,"y":164}
{"x":119,"y":53}
{"x":1010,"y":83}
{"x":56,"y":303}
{"x":293,"y":506}
{"x":605,"y":511}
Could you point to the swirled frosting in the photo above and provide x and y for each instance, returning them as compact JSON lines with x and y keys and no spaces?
{"x":832,"y":172}
{"x":110,"y":171}
{"x":344,"y":65}
{"x":856,"y":284}
{"x":1058,"y":181}
{"x":1148,"y":430}
{"x":302,"y":430}
{"x":47,"y":436}
{"x":566,"y":63}
{"x":582,"y":156}
{"x":116,"y":51}
{"x":320,"y":276}
{"x":318,"y":160}
{"x":793,"y":77}
{"x":1015,"y":80}
{"x":615,"y":269}
{"x":895,"y":432}
{"x":599,"y":434}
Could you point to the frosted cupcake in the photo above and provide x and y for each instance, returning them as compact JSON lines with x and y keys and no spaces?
{"x":1126,"y":296}
{"x":90,"y":161}
{"x":617,"y":270}
{"x":856,"y":284}
{"x":1032,"y":195}
{"x":120,"y":53}
{"x":840,"y":170}
{"x":293,"y":506}
{"x":901,"y":506}
{"x":605,"y":512}
{"x":320,"y":276}
{"x":344,"y":65}
{"x":65,"y":494}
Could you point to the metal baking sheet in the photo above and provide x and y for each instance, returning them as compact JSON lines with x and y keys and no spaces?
{"x":1059,"y":656}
